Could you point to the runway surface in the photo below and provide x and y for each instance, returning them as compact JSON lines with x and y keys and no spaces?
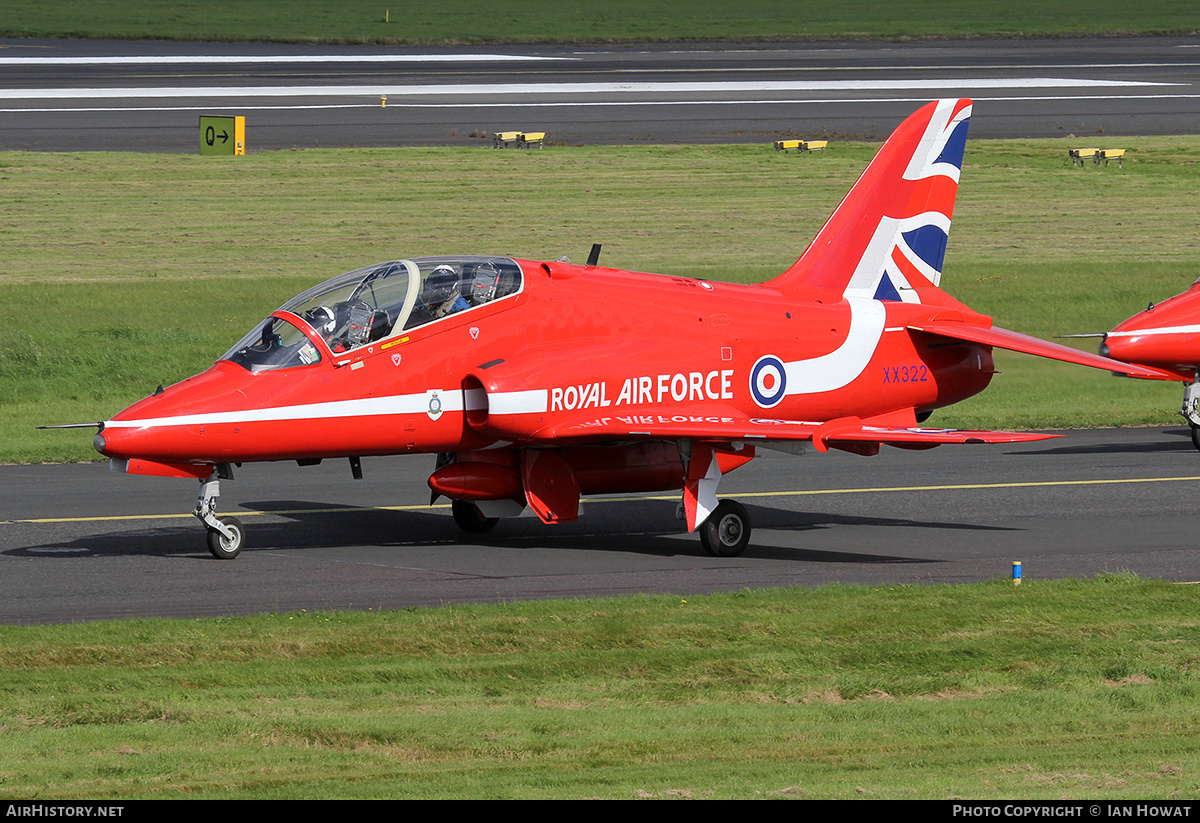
{"x":78,"y":542}
{"x":67,"y":95}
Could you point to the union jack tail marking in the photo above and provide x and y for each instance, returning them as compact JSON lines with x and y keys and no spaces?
{"x":887,"y":239}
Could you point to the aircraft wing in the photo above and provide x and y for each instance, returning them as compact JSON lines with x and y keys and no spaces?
{"x":724,"y":424}
{"x":1027,"y":344}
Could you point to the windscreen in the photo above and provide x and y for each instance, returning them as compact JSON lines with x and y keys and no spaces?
{"x":274,"y":344}
{"x":372,"y":303}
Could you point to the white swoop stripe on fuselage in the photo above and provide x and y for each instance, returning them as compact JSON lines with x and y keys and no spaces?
{"x":520,"y":402}
{"x":845,"y":363}
{"x":534,"y":401}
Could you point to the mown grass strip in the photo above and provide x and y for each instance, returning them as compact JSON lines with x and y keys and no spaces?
{"x":1048,"y":690}
{"x":478,"y":21}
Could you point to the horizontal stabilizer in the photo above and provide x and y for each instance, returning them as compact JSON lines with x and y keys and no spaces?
{"x":1026,"y":344}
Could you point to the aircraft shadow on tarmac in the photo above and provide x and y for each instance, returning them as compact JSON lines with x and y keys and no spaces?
{"x":642,"y":527}
{"x":1170,"y":443}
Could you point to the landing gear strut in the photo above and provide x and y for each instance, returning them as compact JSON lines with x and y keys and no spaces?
{"x":1191,"y":409}
{"x":725,"y":532}
{"x":226,"y":535}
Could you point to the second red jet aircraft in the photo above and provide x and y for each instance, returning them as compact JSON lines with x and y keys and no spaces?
{"x":1165,"y":336}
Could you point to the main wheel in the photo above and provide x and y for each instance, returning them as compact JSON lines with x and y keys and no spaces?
{"x":1195,"y":435}
{"x":225,"y":548}
{"x":469,"y":518}
{"x":726,"y":532}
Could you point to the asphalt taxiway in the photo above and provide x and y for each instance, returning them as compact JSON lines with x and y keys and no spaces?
{"x":78,"y":542}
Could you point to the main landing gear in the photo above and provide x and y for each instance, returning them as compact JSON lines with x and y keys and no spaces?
{"x":484,"y":487}
{"x":226,"y":535}
{"x":469,"y":518}
{"x":726,"y":532}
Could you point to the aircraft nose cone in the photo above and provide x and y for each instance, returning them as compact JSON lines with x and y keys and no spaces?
{"x":1104,"y":349}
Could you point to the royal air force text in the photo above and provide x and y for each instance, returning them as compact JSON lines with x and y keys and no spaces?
{"x":681,"y":388}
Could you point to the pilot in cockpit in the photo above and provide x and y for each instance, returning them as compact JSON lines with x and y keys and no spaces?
{"x":442,"y":295}
{"x":335,"y":325}
{"x":322,"y":321}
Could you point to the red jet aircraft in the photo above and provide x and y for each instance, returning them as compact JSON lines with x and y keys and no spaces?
{"x":536,"y":382}
{"x":1167,"y":336}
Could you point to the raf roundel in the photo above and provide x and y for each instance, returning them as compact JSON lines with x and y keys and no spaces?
{"x":768,"y":381}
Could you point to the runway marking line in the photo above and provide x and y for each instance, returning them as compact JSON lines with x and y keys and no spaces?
{"x":591,"y":103}
{"x":592,"y":500}
{"x":572,"y":90}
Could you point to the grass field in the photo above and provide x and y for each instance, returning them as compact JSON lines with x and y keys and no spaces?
{"x":1053,"y":690}
{"x":123,"y":271}
{"x":479,"y":21}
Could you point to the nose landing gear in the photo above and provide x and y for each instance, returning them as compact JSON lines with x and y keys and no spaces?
{"x":228,"y":544}
{"x":226,"y":535}
{"x":1191,"y":409}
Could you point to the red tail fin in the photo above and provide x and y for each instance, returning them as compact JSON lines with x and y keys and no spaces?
{"x":888,"y":236}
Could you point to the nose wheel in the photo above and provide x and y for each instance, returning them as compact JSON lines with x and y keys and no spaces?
{"x":227,"y":546}
{"x":226,"y":535}
{"x":726,"y":532}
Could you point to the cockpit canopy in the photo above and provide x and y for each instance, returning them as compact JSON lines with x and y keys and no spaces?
{"x":374,"y":303}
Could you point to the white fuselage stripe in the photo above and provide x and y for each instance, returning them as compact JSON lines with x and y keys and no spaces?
{"x":535,"y":401}
{"x":1193,"y":329}
{"x":521,"y":402}
{"x":363,"y":407}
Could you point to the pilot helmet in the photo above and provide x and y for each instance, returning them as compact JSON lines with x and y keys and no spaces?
{"x":322,"y":320}
{"x":441,"y":283}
